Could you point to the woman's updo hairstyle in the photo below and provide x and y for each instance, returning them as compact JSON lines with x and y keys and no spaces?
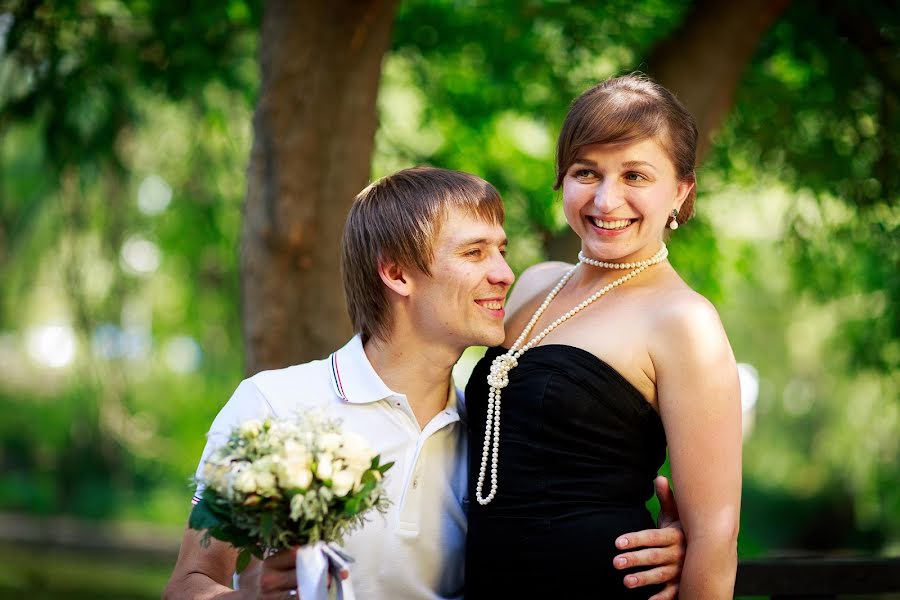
{"x":629,"y":109}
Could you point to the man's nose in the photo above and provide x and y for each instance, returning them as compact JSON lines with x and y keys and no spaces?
{"x":501,"y":273}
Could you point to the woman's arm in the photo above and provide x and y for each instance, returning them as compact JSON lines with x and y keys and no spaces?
{"x":699,"y":402}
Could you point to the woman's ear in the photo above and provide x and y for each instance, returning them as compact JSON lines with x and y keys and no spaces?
{"x":683,"y":190}
{"x":394,"y":276}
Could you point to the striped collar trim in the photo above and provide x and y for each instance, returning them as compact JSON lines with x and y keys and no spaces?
{"x":354,"y":379}
{"x":336,"y":375}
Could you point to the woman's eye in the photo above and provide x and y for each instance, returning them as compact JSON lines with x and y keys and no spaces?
{"x":583,"y":173}
{"x":632,"y":176}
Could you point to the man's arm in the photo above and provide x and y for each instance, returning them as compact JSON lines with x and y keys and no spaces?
{"x":207,"y":572}
{"x":662,"y":549}
{"x":202,"y":573}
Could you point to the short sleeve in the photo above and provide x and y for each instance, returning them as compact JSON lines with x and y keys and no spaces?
{"x":246,"y":403}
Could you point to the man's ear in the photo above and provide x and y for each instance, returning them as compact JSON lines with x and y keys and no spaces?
{"x":395,"y":277}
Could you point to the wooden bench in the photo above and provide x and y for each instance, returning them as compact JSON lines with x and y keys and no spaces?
{"x":817,"y":578}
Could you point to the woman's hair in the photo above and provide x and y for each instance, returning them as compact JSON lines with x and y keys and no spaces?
{"x":397,"y":219}
{"x":629,"y":109}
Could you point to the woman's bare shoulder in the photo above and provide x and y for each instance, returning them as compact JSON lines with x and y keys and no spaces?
{"x":533,"y":281}
{"x":687,"y":322}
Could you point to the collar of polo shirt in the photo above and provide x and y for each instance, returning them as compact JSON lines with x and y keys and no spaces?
{"x":354,"y":378}
{"x":356,"y":381}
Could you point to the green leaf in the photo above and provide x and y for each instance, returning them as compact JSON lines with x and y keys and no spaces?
{"x":265,"y":526}
{"x":243,"y":559}
{"x":202,"y":517}
{"x":366,"y":489}
{"x":352,"y":506}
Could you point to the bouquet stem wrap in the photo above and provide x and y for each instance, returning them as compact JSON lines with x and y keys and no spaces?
{"x":314,"y":563}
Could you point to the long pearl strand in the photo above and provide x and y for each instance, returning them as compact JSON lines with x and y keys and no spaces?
{"x":498,"y":378}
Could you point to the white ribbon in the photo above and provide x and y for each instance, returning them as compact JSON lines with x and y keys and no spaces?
{"x":314,"y":563}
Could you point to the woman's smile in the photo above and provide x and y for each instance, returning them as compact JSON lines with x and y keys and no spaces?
{"x":609,"y":227}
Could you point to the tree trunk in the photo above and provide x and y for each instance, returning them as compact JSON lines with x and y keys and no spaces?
{"x":314,"y":130}
{"x":701,"y":63}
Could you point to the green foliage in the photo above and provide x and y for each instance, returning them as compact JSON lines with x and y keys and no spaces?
{"x":97,"y":100}
{"x":818,"y":108}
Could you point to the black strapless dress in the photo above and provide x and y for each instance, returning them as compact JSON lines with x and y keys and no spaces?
{"x":579,"y":449}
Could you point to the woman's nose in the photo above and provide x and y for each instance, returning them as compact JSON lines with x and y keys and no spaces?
{"x":608,"y":197}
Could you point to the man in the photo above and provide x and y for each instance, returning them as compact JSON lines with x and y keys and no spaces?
{"x":425,"y":278}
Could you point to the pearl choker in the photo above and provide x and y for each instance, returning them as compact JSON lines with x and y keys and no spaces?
{"x":503,"y":364}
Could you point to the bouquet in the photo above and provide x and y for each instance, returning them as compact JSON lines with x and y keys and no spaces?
{"x":282,"y":483}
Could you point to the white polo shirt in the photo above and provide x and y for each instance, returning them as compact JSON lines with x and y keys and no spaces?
{"x":416,"y":550}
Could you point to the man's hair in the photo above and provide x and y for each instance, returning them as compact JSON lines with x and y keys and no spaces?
{"x":629,"y":109}
{"x":397,"y":219}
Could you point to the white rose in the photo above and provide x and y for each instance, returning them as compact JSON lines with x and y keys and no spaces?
{"x":356,"y":451}
{"x":294,"y":474}
{"x":325,"y":467}
{"x":265,"y":481}
{"x":245,"y":481}
{"x":214,"y":476}
{"x":329,"y":442}
{"x":268,"y":463}
{"x":294,"y":451}
{"x":293,"y":466}
{"x":210,"y":473}
{"x":343,"y":482}
{"x":250,"y":429}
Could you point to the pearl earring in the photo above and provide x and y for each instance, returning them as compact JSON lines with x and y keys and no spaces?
{"x":674,"y":224}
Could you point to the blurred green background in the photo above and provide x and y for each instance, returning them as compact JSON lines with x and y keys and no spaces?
{"x":125,"y":131}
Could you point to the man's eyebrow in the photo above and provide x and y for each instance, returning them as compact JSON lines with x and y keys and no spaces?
{"x":584,"y":161}
{"x":479,"y":242}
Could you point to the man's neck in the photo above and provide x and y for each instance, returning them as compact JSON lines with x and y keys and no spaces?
{"x":417,"y":368}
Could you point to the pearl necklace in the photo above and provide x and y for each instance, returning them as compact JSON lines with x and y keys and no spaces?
{"x":503,"y":364}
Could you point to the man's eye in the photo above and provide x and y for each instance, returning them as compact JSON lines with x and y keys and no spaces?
{"x":473,"y":253}
{"x":583,"y":173}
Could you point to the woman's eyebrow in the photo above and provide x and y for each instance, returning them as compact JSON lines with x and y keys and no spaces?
{"x":637,"y":163}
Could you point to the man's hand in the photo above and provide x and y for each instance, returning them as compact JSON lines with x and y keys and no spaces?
{"x":668,"y":510}
{"x":663,"y":548}
{"x":278,"y":577}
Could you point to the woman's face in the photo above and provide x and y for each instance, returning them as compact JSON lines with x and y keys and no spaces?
{"x":618,"y":197}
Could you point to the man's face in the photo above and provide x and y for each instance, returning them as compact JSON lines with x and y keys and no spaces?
{"x":461,"y":303}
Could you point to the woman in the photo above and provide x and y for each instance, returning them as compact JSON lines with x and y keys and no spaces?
{"x":604,"y":363}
